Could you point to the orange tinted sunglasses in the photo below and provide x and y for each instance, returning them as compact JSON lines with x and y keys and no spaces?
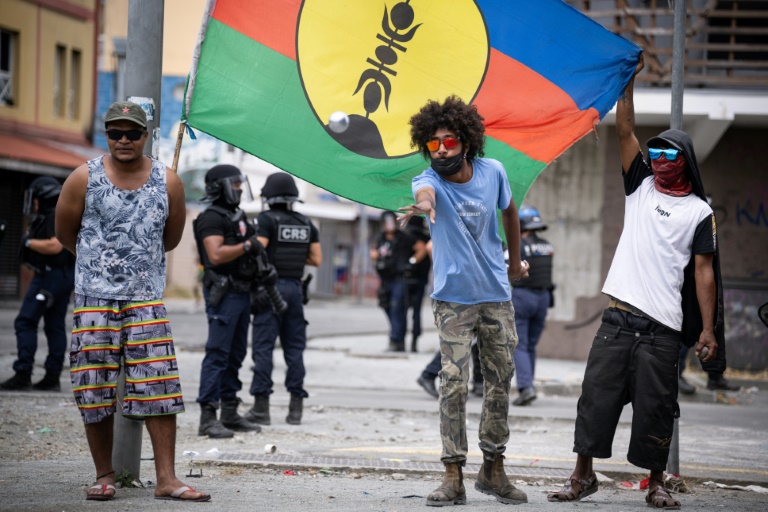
{"x":449,"y":142}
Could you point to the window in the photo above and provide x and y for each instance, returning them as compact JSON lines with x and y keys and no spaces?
{"x":74,"y":85}
{"x":59,"y":77}
{"x":7,"y":50}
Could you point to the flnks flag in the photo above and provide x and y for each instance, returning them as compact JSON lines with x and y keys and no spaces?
{"x":267,"y":74}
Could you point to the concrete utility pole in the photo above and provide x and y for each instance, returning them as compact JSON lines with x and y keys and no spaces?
{"x":143,"y":73}
{"x":676,"y":122}
{"x":362,"y":251}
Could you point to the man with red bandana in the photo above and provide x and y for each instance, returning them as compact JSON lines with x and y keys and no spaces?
{"x":664,"y":289}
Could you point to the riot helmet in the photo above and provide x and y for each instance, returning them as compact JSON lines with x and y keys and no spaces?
{"x":530,"y":219}
{"x":388,"y":222}
{"x":280,"y":187}
{"x":46,"y":190}
{"x":225,"y":183}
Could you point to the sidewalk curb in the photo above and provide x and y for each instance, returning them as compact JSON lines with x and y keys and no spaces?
{"x":530,"y":475}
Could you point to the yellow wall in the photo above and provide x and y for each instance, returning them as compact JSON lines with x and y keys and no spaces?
{"x":33,"y":87}
{"x":115,"y":24}
{"x":181,"y":24}
{"x":21,"y":17}
{"x":73,"y":35}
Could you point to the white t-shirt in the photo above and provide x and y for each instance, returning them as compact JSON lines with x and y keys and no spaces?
{"x":661,"y":233}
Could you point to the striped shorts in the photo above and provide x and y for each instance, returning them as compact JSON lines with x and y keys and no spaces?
{"x":105,"y":330}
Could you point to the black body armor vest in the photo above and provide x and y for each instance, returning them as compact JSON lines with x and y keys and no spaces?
{"x":538,"y":252}
{"x":241,"y":268}
{"x":289,"y":249}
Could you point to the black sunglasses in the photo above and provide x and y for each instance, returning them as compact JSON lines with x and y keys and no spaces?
{"x":132,"y":135}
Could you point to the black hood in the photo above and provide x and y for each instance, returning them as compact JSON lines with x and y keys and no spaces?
{"x":692,"y":323}
{"x":681,"y":141}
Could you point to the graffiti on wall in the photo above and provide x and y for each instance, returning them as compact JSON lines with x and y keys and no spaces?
{"x":746,"y":338}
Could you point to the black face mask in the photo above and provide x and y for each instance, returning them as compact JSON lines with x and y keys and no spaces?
{"x":448,"y":166}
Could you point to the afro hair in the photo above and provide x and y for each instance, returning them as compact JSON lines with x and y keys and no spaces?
{"x":453,"y":115}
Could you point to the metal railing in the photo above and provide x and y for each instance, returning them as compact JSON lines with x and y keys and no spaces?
{"x":726,"y":41}
{"x":6,"y":83}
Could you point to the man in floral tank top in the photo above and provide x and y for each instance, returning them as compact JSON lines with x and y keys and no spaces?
{"x":119,"y":214}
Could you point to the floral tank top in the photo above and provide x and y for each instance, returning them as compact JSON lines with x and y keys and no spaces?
{"x":120,"y":250}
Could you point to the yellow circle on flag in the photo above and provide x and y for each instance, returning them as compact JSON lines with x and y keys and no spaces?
{"x":380,"y":62}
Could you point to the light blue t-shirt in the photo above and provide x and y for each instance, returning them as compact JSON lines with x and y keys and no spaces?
{"x":467,"y":255}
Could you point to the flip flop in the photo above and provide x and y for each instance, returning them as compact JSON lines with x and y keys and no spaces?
{"x":100,"y":496}
{"x":176,"y":495}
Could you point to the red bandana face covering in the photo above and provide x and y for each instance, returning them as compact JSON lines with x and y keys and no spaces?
{"x":670,"y":177}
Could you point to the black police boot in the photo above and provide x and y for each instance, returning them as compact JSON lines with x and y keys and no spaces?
{"x":49,"y":383}
{"x":685,"y":387}
{"x":259,"y":413}
{"x":428,"y":385}
{"x":233,"y":421}
{"x":22,"y":381}
{"x":209,"y":425}
{"x":717,"y":382}
{"x":477,"y":388}
{"x":294,"y":410}
{"x":526,"y":396}
{"x":414,"y":344}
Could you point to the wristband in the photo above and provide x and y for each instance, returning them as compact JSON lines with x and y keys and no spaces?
{"x":246,"y":246}
{"x":27,"y":243}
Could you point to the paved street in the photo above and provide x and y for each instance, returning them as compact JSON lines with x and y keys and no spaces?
{"x":368,"y":418}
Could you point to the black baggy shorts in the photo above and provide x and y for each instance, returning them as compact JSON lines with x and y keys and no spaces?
{"x":633,"y":360}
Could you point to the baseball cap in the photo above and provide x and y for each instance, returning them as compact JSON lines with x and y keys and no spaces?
{"x":126,"y":111}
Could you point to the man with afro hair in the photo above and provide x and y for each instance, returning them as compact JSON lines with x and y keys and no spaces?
{"x":459,"y":194}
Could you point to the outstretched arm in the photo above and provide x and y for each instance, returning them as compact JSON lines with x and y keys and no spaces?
{"x":425,"y":205}
{"x":625,"y":122}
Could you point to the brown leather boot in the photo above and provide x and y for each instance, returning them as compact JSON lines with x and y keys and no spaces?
{"x":451,"y":491}
{"x":493,"y":480}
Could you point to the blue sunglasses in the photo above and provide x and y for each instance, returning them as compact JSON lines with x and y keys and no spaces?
{"x":669,"y":154}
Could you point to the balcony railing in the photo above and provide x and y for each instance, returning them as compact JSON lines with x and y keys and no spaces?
{"x":726,"y":41}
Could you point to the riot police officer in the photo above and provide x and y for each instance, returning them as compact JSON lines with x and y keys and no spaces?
{"x":291,"y":241}
{"x":48,"y":294}
{"x":531,"y":297}
{"x":226,"y":241}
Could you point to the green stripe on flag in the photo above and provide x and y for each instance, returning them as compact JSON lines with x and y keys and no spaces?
{"x":250,"y":96}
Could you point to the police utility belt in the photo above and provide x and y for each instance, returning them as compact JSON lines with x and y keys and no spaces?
{"x":218,"y":285}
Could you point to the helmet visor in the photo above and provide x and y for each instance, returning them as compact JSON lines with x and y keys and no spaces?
{"x":236,"y":189}
{"x":29,"y":202}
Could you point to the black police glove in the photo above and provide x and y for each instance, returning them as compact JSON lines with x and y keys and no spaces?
{"x":253,"y":247}
{"x":260,"y":300}
{"x":269,"y":277}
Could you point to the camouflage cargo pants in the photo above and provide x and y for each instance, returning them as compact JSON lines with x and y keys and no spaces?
{"x":494,"y":325}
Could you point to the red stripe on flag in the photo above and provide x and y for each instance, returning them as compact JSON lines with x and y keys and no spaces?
{"x":272,"y":24}
{"x":512,"y":93}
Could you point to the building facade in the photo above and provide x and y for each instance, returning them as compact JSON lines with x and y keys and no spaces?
{"x":47,"y":84}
